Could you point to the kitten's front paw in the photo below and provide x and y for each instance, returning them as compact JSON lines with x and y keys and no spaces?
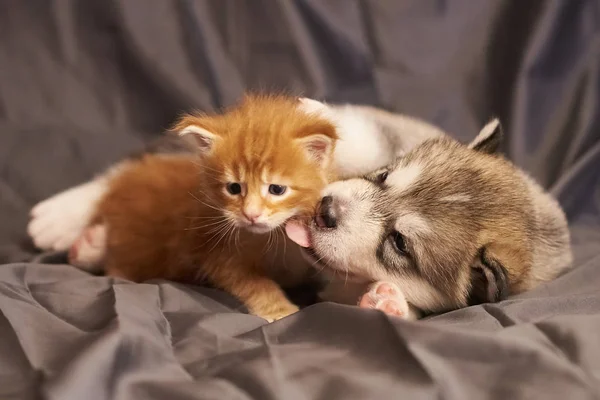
{"x":275,"y":313}
{"x":387,"y":297}
{"x":89,"y":249}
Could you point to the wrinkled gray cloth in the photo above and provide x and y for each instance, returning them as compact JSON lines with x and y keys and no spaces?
{"x":84,"y":83}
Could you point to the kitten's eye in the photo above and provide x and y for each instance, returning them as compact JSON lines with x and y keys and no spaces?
{"x":234,"y":188}
{"x":399,"y":242}
{"x":277,"y":190}
{"x":382,"y":177}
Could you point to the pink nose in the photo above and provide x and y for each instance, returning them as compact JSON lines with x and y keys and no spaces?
{"x":252,"y":216}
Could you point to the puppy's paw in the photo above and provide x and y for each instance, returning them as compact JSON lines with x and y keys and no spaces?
{"x":387,"y":297}
{"x":57,"y":222}
{"x":89,"y":249}
{"x":275,"y":313}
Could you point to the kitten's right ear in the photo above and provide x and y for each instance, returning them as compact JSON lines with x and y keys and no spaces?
{"x":203,"y":138}
{"x":318,"y":147}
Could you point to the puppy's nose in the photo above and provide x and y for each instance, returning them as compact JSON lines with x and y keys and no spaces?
{"x":327,"y":213}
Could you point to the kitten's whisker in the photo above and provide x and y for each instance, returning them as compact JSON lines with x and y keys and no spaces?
{"x":225,"y":230}
{"x":218,"y":223}
{"x":284,"y":240}
{"x":206,"y":167}
{"x":268,"y":245}
{"x":215,"y":217}
{"x":237,"y":239}
{"x":276,"y":241}
{"x":206,"y":204}
{"x":217,"y":229}
{"x":228,"y":236}
{"x":204,"y":226}
{"x":231,"y":236}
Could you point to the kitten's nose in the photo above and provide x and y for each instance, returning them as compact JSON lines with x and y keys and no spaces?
{"x":252,"y":215}
{"x":327,"y":213}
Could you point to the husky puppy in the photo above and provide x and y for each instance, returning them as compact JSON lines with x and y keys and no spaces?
{"x":443,"y":227}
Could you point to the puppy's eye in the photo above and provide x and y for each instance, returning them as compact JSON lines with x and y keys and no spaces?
{"x":234,"y":188}
{"x":399,"y":243}
{"x":277,"y":190}
{"x":382,"y":177}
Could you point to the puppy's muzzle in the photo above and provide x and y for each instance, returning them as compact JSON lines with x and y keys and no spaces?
{"x":328,"y":213}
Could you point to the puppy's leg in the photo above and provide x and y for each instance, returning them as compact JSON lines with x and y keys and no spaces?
{"x":89,"y":250}
{"x":387,"y":297}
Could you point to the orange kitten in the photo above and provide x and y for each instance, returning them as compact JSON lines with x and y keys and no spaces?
{"x":201,"y":217}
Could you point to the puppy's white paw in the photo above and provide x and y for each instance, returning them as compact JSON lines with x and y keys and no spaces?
{"x":89,"y":249}
{"x":58,"y":221}
{"x":387,"y":297}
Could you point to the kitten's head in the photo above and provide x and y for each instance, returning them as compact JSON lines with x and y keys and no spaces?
{"x":265,"y":160}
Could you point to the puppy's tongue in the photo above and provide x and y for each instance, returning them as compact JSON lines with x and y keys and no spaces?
{"x":298,"y":233}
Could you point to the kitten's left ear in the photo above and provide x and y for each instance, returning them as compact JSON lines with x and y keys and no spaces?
{"x":203,"y":139}
{"x":489,"y":138}
{"x":318,"y":147}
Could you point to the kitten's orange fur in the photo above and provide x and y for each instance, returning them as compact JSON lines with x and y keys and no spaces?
{"x":170,"y":216}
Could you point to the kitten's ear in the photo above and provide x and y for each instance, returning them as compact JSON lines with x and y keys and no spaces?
{"x":203,"y":139}
{"x":311,"y":106}
{"x":318,"y":148}
{"x":489,"y":138}
{"x":489,"y":280}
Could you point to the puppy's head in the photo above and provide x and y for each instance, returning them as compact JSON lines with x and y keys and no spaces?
{"x":446,"y":222}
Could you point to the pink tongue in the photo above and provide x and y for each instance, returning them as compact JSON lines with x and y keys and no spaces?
{"x":298,"y":233}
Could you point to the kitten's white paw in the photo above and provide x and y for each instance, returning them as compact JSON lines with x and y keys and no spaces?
{"x":58,"y":221}
{"x":89,"y":249}
{"x":387,"y":297}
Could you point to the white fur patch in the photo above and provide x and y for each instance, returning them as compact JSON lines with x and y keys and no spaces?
{"x":420,"y":293}
{"x":402,"y":178}
{"x":412,"y":224}
{"x":58,"y":221}
{"x":361,"y":147}
{"x":311,"y":106}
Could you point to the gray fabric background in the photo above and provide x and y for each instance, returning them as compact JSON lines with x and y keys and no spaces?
{"x":83,"y":83}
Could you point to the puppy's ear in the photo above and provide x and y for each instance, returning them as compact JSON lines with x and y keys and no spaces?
{"x":311,"y":106}
{"x":489,"y":138}
{"x":489,"y":280}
